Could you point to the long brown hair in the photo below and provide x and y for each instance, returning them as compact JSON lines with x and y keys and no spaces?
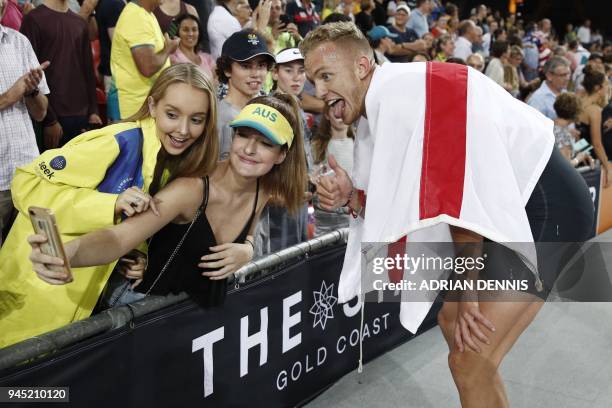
{"x":199,"y":159}
{"x":321,"y":139}
{"x":286,"y":182}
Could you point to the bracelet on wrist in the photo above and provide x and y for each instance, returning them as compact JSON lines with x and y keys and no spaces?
{"x":361,"y":199}
{"x":250,"y":243}
{"x":356,"y":214}
{"x":349,"y":198}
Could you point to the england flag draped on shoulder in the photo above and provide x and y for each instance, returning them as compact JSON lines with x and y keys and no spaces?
{"x":443,"y":144}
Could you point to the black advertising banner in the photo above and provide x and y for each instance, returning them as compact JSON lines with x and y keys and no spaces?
{"x":592,"y":179}
{"x":275,"y":343}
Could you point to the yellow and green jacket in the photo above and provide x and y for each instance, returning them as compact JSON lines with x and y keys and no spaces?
{"x":80,"y":183}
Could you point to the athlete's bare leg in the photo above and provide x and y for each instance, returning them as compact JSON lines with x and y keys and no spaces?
{"x":476,"y":374}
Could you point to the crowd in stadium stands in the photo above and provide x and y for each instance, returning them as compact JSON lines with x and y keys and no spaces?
{"x":68,"y":67}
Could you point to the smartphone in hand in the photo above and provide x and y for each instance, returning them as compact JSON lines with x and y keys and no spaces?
{"x":173,"y":29}
{"x":44,"y":223}
{"x":285,"y":20}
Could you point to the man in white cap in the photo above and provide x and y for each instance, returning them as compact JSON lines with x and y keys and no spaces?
{"x":442,"y":146}
{"x":407,"y":42}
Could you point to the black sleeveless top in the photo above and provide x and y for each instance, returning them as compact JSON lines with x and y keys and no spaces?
{"x":183,"y":273}
{"x":606,"y":136}
{"x":584,"y":130}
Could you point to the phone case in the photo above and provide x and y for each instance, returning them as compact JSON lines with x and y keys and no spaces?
{"x":43,"y":222}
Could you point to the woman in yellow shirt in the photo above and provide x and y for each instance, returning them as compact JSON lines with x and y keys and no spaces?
{"x":212,"y":216}
{"x":94,"y":180}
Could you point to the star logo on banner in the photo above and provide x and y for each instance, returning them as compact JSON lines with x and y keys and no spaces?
{"x":323,"y":307}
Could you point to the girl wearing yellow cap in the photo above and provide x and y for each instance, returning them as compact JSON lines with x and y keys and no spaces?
{"x":92,"y":182}
{"x":214,"y":216}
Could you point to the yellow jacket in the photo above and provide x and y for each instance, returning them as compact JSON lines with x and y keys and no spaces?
{"x":80,"y":182}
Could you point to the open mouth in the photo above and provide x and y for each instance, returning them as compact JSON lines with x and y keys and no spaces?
{"x":336,"y":107}
{"x":177,"y":142}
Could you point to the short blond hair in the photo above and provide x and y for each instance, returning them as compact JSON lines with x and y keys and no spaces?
{"x":344,"y":33}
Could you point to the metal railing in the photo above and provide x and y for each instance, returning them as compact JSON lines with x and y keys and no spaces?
{"x":117,"y":317}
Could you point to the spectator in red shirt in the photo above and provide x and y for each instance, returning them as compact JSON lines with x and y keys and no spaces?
{"x":61,"y":36}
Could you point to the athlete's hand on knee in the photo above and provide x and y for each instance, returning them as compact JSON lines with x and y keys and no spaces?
{"x":42,"y":264}
{"x":468,"y":327}
{"x":228,"y":257}
{"x":133,"y":201}
{"x":334,"y":191}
